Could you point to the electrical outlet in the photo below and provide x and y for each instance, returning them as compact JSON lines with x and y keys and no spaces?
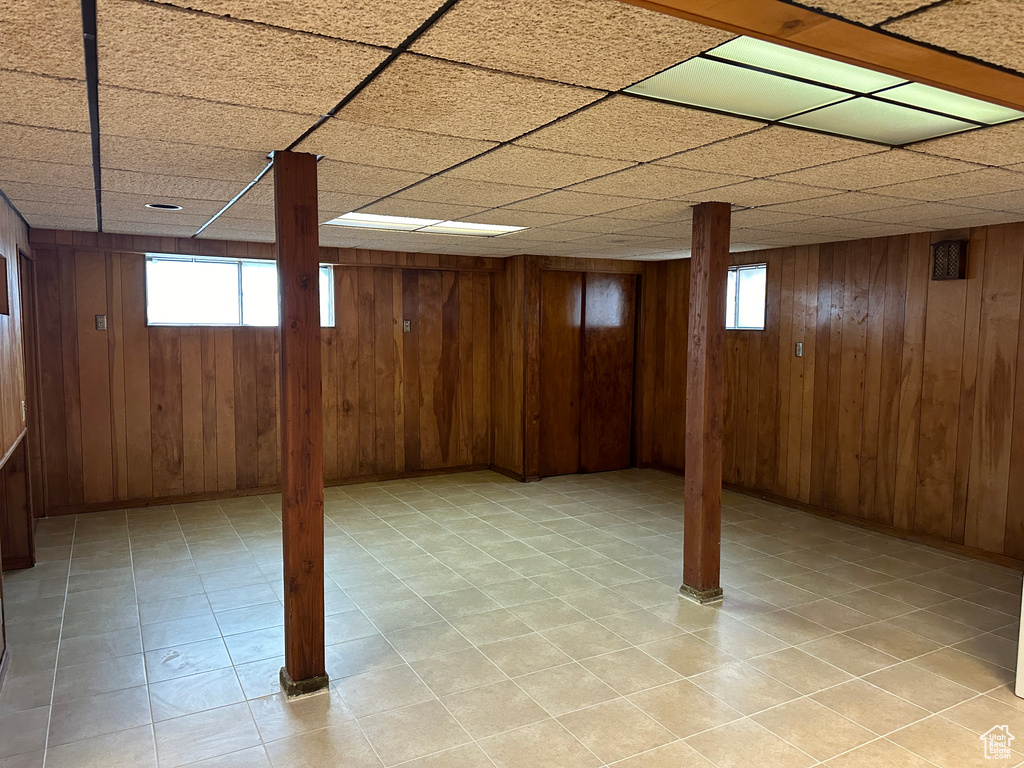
{"x":406,"y":326}
{"x":101,"y":322}
{"x":24,"y":412}
{"x":799,"y":349}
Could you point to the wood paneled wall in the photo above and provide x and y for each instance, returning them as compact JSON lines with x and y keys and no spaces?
{"x":13,"y":236}
{"x":906,"y":409}
{"x":140,"y":413}
{"x":509,"y":366}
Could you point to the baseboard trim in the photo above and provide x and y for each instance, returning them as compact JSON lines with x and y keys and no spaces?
{"x":244,"y":492}
{"x":17,"y":563}
{"x":509,"y":473}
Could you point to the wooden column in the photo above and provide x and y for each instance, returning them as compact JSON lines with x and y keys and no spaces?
{"x":705,"y":381}
{"x":302,"y":441}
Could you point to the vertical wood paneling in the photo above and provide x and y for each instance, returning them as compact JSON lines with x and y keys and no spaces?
{"x":192,"y":444}
{"x":166,"y":402}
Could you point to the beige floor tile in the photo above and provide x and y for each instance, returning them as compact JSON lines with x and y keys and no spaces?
{"x":253,"y":757}
{"x":673,"y":755}
{"x":849,"y":655}
{"x":493,"y":709}
{"x":24,"y":731}
{"x":95,"y":677}
{"x":920,"y":687}
{"x":744,"y":688}
{"x":869,"y":706}
{"x":946,"y":744}
{"x":813,"y":728}
{"x":24,"y":760}
{"x":964,"y":669}
{"x":877,"y":754}
{"x":278,"y":718}
{"x":459,"y":671}
{"x":833,"y":615}
{"x":92,"y":648}
{"x":745,"y":743}
{"x":982,"y":712}
{"x":934,"y":627}
{"x":739,"y":639}
{"x":546,"y":743}
{"x":405,"y":734}
{"x":616,"y":730}
{"x":893,"y":640}
{"x":630,"y":670}
{"x":337,"y":745}
{"x":256,"y":645}
{"x":524,"y":654}
{"x":684,"y":708}
{"x":688,"y":654}
{"x":546,"y":614}
{"x":565,"y":689}
{"x":466,"y":756}
{"x":461,"y":602}
{"x":196,"y":693}
{"x":427,"y":640}
{"x":358,"y":656}
{"x":238,"y":620}
{"x":390,"y":617}
{"x":640,"y":627}
{"x":491,"y":626}
{"x":205,"y":735}
{"x":799,"y":670}
{"x":586,"y":639}
{"x":788,"y":626}
{"x":187,"y":659}
{"x":98,"y":715}
{"x":178,"y":631}
{"x":385,"y":689}
{"x":133,"y":748}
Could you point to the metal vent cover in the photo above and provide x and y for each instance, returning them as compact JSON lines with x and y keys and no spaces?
{"x":949,"y":260}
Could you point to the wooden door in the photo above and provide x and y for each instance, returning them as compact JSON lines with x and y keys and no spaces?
{"x":561,"y":309}
{"x":609,"y":330}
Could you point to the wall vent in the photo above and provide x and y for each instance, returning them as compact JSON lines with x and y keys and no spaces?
{"x":949,"y":260}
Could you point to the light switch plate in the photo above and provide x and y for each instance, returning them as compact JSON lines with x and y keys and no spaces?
{"x":799,"y":349}
{"x":406,"y":326}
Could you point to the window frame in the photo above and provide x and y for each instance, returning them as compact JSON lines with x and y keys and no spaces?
{"x":239,"y":262}
{"x":737,"y":269}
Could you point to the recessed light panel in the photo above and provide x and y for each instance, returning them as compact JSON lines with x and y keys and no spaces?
{"x":428,"y":226}
{"x":770,"y":82}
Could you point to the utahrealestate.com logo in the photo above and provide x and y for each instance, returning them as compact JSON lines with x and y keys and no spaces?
{"x":997,"y":743}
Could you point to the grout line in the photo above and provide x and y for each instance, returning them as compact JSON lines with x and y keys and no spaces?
{"x":60,"y":636}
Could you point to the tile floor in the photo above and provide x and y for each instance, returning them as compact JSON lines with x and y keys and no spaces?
{"x":474,"y":621}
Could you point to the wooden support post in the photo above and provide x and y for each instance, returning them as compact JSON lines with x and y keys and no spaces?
{"x":302,"y":440}
{"x":705,"y":382}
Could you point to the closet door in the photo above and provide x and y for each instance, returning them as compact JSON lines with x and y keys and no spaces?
{"x":606,"y":413}
{"x":561,"y":299}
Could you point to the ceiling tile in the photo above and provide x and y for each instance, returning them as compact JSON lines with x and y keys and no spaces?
{"x":169,"y":50}
{"x":1012,"y":201}
{"x":762,"y":192}
{"x":656,"y":182}
{"x":836,"y":205}
{"x":51,"y":210}
{"x":333,"y":176}
{"x":171,"y":118}
{"x":998,"y":145}
{"x":44,"y":101}
{"x":237,"y":228}
{"x":138,"y":183}
{"x":600,"y":225}
{"x":423,"y":94}
{"x":417,"y":209}
{"x":26,"y":142}
{"x":578,"y":203}
{"x":360,"y":20}
{"x":170,"y":158}
{"x":622,"y":43}
{"x":258,"y":203}
{"x":514,"y":218}
{"x":155,"y":229}
{"x":866,"y":11}
{"x":49,"y":174}
{"x":892,"y":167}
{"x":67,"y":223}
{"x":979,"y":219}
{"x":58,"y":194}
{"x":399,"y":148}
{"x":446,"y":189}
{"x":905,"y":214}
{"x":536,"y":167}
{"x":771,"y":150}
{"x":661,"y":210}
{"x":986,"y":181}
{"x":42,"y":36}
{"x":627,"y":128}
{"x":989,"y":30}
{"x":763,"y":217}
{"x":132,"y":207}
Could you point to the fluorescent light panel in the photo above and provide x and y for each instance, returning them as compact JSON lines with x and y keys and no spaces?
{"x":429,"y":226}
{"x":753,"y":78}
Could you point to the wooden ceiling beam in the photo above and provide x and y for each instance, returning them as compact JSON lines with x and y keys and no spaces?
{"x":805,"y":30}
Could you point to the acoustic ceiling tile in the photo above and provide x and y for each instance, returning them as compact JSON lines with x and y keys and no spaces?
{"x":990,"y":30}
{"x":26,"y":142}
{"x":906,"y":214}
{"x":134,"y":207}
{"x":515,"y":218}
{"x":42,"y":36}
{"x":49,"y":174}
{"x":417,"y":209}
{"x":680,"y":232}
{"x":596,"y":43}
{"x":169,"y":158}
{"x":1000,"y":145}
{"x":619,"y":242}
{"x":1011,"y":201}
{"x":868,"y":12}
{"x":145,"y":184}
{"x":661,"y":210}
{"x":20,"y":191}
{"x":762,"y":217}
{"x":536,"y":167}
{"x":399,"y":148}
{"x":52,"y":210}
{"x":447,"y":189}
{"x":172,"y":118}
{"x":599,"y":225}
{"x":237,"y":228}
{"x":159,"y":229}
{"x":771,"y":150}
{"x":656,"y":182}
{"x":979,"y":219}
{"x":628,"y":128}
{"x":578,"y":203}
{"x":170,"y":50}
{"x":986,"y":181}
{"x":68,"y":223}
{"x":884,"y":168}
{"x":362,"y":20}
{"x":423,"y":94}
{"x":819,"y":225}
{"x":366,"y":180}
{"x":44,"y":101}
{"x":843,"y":204}
{"x":762,"y":192}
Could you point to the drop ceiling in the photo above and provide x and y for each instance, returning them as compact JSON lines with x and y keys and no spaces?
{"x":500,"y":112}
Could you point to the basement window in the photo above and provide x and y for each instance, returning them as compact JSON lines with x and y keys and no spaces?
{"x":200,"y":290}
{"x":746,"y":295}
